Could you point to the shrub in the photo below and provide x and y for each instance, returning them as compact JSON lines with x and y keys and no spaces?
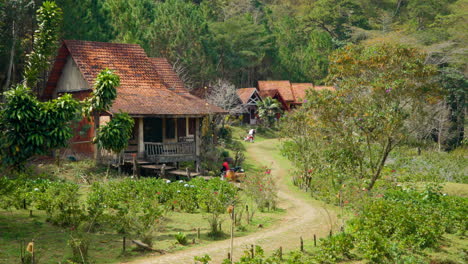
{"x":181,"y":238}
{"x":335,"y":248}
{"x":61,"y":202}
{"x":262,"y":189}
{"x":79,"y":244}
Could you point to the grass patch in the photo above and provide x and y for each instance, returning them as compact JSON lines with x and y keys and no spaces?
{"x":106,"y":246}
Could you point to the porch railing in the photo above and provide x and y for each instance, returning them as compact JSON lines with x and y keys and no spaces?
{"x":153,"y":149}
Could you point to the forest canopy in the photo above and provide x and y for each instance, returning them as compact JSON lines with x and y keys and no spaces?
{"x":243,"y":41}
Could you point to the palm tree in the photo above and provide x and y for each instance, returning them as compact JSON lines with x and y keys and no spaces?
{"x":268,"y":108}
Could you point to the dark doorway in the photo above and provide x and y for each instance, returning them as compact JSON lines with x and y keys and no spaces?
{"x":181,"y":127}
{"x":152,"y":128}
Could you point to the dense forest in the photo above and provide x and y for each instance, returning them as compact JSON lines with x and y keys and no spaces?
{"x":243,"y":41}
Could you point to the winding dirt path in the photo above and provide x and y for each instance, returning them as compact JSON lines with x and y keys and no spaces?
{"x":303,"y":218}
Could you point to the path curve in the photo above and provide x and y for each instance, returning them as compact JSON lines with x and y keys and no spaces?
{"x":302,"y":218}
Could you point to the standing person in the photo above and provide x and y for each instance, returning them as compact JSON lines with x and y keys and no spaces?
{"x":252,"y":135}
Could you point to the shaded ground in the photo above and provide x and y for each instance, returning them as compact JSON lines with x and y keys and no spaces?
{"x":305,"y":217}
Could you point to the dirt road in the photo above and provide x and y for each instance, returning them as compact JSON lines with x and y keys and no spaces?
{"x":303,"y":217}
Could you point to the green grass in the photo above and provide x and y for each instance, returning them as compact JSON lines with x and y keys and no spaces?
{"x":106,"y":246}
{"x":430,"y":166}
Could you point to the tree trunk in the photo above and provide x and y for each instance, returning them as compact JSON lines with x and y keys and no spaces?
{"x":10,"y":64}
{"x":376,"y":175}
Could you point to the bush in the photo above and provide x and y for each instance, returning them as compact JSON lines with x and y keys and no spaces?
{"x":335,"y":248}
{"x":181,"y":238}
{"x":61,"y":202}
{"x":79,"y":244}
{"x":262,"y":189}
{"x":225,"y":133}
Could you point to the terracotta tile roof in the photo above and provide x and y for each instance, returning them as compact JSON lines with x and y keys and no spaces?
{"x":142,"y":90}
{"x":283,"y":87}
{"x":268,"y":93}
{"x":245,"y":94}
{"x":169,"y":76}
{"x":299,"y":91}
{"x":320,"y":88}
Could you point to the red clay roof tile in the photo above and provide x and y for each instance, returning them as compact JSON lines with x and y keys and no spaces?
{"x":142,"y":90}
{"x":245,"y":94}
{"x":283,"y":87}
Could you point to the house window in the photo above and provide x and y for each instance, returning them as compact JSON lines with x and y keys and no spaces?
{"x":170,"y":128}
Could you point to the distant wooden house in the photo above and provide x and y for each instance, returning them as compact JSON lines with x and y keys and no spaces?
{"x":249,"y":98}
{"x":290,"y":95}
{"x":167,"y":117}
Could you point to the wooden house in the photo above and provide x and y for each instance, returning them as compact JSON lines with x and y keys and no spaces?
{"x":167,"y":117}
{"x":249,"y":98}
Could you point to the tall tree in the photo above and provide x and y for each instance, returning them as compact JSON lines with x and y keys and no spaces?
{"x":49,"y":19}
{"x":131,"y":19}
{"x":88,"y":20}
{"x":180,"y":33}
{"x":354,"y":129}
{"x":241,"y":45}
{"x":336,"y":17}
{"x":302,"y":54}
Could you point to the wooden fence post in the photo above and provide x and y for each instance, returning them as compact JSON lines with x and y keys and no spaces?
{"x":302,"y":245}
{"x":247,"y":211}
{"x":198,"y":233}
{"x":281,"y":253}
{"x":252,"y":250}
{"x":315,"y":240}
{"x":123,"y":244}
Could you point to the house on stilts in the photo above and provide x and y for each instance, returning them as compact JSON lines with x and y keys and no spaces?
{"x":167,"y":117}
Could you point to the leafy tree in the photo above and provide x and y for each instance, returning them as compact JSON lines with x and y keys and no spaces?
{"x":422,"y":13}
{"x":268,"y":109}
{"x":380,"y":88}
{"x":455,"y":85}
{"x":241,"y":46}
{"x":179,"y":32}
{"x":302,"y":55}
{"x":30,"y":127}
{"x":49,"y":19}
{"x":89,"y":20}
{"x":336,"y":17}
{"x":104,"y":92}
{"x":115,"y":134}
{"x":131,"y":19}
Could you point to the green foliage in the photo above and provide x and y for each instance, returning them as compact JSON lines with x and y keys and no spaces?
{"x":303,"y":55}
{"x":268,"y":109}
{"x":430,"y":166}
{"x":135,"y":207}
{"x":49,"y":19}
{"x":181,"y":238}
{"x":346,"y":136}
{"x":225,"y":133}
{"x":336,"y":17}
{"x":335,"y":248}
{"x":89,"y":20}
{"x":241,"y":46}
{"x":30,"y":127}
{"x":405,"y":220}
{"x":261,"y":188}
{"x":180,"y":33}
{"x":61,"y":202}
{"x":79,"y":244}
{"x":115,"y":134}
{"x":104,"y":92}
